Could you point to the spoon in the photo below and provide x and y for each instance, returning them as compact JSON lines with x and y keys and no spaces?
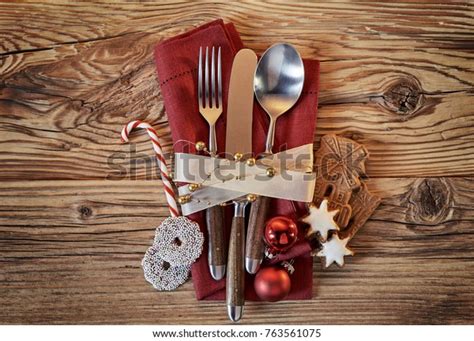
{"x":278,"y":83}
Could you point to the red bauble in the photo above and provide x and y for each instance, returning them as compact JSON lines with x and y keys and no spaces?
{"x":272,"y":284}
{"x":280,"y":233}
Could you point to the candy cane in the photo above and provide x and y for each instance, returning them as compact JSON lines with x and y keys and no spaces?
{"x":167,"y":181}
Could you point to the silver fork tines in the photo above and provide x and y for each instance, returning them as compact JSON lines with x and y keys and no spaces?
{"x":210,"y":102}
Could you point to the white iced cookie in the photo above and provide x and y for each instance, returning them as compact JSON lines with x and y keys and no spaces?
{"x":321,"y":220}
{"x":334,"y":250}
{"x":178,"y":241}
{"x":161,"y":274}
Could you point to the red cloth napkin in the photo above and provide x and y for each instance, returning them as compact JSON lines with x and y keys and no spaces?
{"x":176,"y":63}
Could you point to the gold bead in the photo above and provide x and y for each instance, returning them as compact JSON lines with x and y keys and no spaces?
{"x":200,"y":146}
{"x":251,"y":197}
{"x":238,"y":156}
{"x":270,"y":172}
{"x":184,"y":199}
{"x":251,"y":162}
{"x":193,"y":187}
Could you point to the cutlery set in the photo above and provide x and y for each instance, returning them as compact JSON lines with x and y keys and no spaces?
{"x":276,"y":81}
{"x":270,"y":182}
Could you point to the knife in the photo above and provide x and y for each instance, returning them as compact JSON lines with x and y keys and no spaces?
{"x":239,"y":141}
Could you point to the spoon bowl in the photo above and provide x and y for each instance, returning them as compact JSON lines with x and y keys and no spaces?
{"x":278,"y":83}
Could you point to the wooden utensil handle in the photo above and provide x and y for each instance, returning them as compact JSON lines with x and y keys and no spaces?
{"x":235,"y":264}
{"x":258,"y":215}
{"x":215,"y":227}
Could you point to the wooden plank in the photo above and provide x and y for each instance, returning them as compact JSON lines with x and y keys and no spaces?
{"x":65,"y":23}
{"x":84,"y":143}
{"x":71,"y":253}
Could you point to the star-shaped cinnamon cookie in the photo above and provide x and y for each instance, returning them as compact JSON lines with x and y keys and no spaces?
{"x":334,"y":250}
{"x":321,"y":220}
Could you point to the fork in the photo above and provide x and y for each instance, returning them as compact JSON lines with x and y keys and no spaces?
{"x":210,"y":107}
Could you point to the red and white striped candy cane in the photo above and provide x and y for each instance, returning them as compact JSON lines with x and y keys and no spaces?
{"x":167,"y":181}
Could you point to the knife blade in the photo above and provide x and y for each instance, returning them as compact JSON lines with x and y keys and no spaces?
{"x":239,"y":140}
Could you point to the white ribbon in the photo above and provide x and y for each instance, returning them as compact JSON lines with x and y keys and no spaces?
{"x":223,"y":180}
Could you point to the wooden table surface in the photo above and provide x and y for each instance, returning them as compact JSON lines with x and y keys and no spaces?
{"x":396,"y":77}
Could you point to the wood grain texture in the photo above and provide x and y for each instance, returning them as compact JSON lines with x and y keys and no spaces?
{"x":217,"y":254}
{"x":254,"y":247}
{"x":235,"y":279}
{"x":77,"y":211}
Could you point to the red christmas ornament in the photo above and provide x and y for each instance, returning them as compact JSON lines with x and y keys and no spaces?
{"x":272,"y":284}
{"x":280,"y":234}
